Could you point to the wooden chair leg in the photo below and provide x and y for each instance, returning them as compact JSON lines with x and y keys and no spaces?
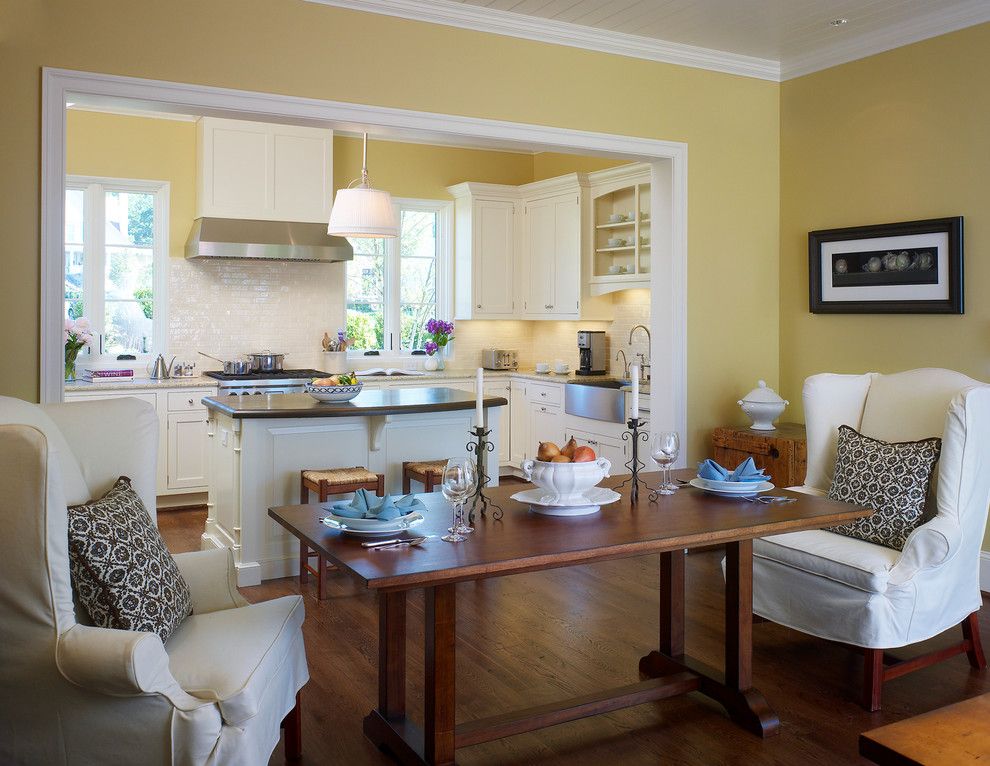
{"x":380,"y":488}
{"x":303,"y":558}
{"x":292,"y":724}
{"x":303,"y":492}
{"x":324,"y":490}
{"x":428,"y":484}
{"x":406,"y":485}
{"x":872,"y":678}
{"x":971,"y":634}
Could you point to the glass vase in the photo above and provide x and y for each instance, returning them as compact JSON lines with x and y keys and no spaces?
{"x":441,"y":353}
{"x":70,"y":364}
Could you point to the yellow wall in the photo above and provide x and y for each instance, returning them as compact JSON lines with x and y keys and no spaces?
{"x":423,"y":171}
{"x":119,"y":146}
{"x":553,"y":164}
{"x":730,"y":123}
{"x":895,"y":137}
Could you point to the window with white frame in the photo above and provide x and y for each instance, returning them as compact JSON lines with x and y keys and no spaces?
{"x":395,"y":286}
{"x":116,"y":261}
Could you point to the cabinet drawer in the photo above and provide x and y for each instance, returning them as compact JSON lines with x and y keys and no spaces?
{"x":187,"y":401}
{"x":87,"y":396}
{"x":541,"y":393}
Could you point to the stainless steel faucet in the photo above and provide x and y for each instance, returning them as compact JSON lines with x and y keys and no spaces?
{"x":625,"y":363}
{"x":644,"y":367}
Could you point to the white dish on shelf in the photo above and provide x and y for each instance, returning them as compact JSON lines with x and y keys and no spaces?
{"x":361,"y":527}
{"x":740,"y":488}
{"x":540,"y":501}
{"x":616,"y":218}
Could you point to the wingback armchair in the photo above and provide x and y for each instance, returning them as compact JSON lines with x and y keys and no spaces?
{"x":215,"y":693}
{"x":866,"y":595}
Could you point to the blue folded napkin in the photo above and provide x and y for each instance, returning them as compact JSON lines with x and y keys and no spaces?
{"x":745,"y":471}
{"x":367,"y":505}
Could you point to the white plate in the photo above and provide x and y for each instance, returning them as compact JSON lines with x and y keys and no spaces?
{"x":746,"y":490}
{"x":371,"y":526}
{"x":593,"y":498}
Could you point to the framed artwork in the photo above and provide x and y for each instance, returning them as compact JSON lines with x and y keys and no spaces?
{"x":914,"y":267}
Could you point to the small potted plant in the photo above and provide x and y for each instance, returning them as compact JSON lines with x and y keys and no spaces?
{"x":441,"y":333}
{"x":78,"y":335}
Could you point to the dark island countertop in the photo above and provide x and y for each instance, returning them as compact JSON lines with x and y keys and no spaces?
{"x":400,"y":401}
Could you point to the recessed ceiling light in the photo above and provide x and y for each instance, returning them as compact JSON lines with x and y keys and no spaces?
{"x":838,"y":22}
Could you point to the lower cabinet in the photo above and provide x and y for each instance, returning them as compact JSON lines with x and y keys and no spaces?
{"x":520,"y":442}
{"x":181,"y":433}
{"x":547,"y":425}
{"x":502,"y":388}
{"x":186,"y":453}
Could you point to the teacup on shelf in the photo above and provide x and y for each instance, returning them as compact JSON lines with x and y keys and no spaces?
{"x":616,"y":242}
{"x":616,"y":218}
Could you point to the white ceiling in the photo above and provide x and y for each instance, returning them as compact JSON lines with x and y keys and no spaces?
{"x":772,"y":39}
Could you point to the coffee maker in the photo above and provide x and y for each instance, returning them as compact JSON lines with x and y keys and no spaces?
{"x":591,"y":346}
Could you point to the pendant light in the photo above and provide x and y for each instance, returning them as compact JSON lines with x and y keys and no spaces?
{"x":360,"y":211}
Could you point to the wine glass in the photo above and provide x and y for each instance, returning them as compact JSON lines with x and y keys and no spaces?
{"x":666,"y":447}
{"x":458,"y":482}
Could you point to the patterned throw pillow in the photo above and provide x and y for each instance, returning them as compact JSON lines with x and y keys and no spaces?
{"x":891,"y":478}
{"x":121,"y":570}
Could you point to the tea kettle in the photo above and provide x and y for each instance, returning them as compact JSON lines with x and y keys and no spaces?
{"x":160,"y":369}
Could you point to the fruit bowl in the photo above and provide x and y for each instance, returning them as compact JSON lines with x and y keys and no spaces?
{"x":566,"y":483}
{"x":333,"y":393}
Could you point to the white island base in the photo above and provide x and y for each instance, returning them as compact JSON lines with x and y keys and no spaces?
{"x":255,"y":462}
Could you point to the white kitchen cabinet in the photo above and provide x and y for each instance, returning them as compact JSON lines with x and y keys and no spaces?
{"x":502,"y":388}
{"x":263,"y":171}
{"x":182,"y":466}
{"x":484,"y":251}
{"x":520,"y":444}
{"x":550,"y":271}
{"x":186,"y":452}
{"x":546,"y":425}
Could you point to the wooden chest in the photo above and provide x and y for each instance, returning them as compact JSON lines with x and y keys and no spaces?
{"x":782,"y":453}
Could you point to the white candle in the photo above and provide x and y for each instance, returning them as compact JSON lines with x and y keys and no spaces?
{"x":634,"y":408}
{"x":479,"y":406}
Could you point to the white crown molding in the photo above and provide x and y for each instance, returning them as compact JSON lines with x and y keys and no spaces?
{"x":121,"y":111}
{"x":850,"y":48}
{"x":500,"y":22}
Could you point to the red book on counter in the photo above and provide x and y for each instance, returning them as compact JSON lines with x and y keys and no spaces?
{"x":96,"y":375}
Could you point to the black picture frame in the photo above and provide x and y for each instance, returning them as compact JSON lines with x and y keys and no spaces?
{"x":859,"y":267}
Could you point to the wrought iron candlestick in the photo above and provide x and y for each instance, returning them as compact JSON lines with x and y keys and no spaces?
{"x":481,"y":447}
{"x":635,"y":434}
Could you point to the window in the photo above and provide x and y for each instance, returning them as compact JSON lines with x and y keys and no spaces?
{"x":395,"y":286}
{"x":116,"y":260}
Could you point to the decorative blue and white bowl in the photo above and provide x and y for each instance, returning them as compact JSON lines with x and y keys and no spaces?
{"x":333,"y":393}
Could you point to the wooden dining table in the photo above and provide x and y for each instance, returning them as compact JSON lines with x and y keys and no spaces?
{"x":524,"y":541}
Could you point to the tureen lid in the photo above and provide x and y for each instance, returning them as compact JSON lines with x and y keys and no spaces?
{"x":763,"y":393}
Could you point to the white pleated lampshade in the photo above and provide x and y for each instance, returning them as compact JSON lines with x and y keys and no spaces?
{"x":363,"y":212}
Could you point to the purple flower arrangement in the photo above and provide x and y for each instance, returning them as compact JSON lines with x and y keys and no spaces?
{"x":441,"y":333}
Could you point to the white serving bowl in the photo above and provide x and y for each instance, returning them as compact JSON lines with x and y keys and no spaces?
{"x":566,"y":483}
{"x":333,"y":393}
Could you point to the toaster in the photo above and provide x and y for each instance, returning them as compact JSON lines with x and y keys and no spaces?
{"x":499,"y":359}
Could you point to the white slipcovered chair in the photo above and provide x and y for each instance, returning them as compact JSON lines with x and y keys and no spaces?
{"x":865,"y":595}
{"x":215,"y":693}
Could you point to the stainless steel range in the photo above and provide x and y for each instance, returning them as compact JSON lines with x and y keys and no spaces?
{"x":284,"y":382}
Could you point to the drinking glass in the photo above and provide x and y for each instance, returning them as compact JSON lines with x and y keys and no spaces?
{"x":458,"y":484}
{"x":666,"y":447}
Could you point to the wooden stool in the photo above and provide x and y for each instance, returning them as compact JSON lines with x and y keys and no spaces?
{"x":429,"y":473}
{"x":326,"y":482}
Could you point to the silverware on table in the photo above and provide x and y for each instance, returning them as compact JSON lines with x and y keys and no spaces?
{"x":395,"y":543}
{"x":769,"y":499}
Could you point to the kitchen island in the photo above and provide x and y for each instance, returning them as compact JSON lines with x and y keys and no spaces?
{"x":257,"y":445}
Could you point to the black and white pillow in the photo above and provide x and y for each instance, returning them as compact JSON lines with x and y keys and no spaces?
{"x":891,"y":478}
{"x":121,"y":570}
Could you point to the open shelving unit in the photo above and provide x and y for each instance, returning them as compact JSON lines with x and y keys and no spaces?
{"x":621,"y":235}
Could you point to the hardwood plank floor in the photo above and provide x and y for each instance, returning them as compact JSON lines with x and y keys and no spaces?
{"x":536,"y":638}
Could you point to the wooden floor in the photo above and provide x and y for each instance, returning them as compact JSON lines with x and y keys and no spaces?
{"x":535,"y":638}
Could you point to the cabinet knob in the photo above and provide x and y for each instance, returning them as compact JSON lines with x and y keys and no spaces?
{"x":190,"y":402}
{"x":479,"y":305}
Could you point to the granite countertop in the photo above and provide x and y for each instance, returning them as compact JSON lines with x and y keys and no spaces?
{"x":197,"y":381}
{"x":398,"y":401}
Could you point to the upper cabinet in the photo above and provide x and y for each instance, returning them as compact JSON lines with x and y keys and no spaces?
{"x":484,"y":251}
{"x":263,"y":171}
{"x":621,"y":230}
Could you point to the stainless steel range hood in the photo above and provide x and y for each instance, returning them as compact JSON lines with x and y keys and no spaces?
{"x":266,"y":240}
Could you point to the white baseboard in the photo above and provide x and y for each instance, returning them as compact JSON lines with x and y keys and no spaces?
{"x":985,"y":571}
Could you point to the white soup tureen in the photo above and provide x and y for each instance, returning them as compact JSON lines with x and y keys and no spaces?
{"x":763,"y":405}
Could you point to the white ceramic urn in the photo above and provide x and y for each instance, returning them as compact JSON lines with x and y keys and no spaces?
{"x":763,"y":405}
